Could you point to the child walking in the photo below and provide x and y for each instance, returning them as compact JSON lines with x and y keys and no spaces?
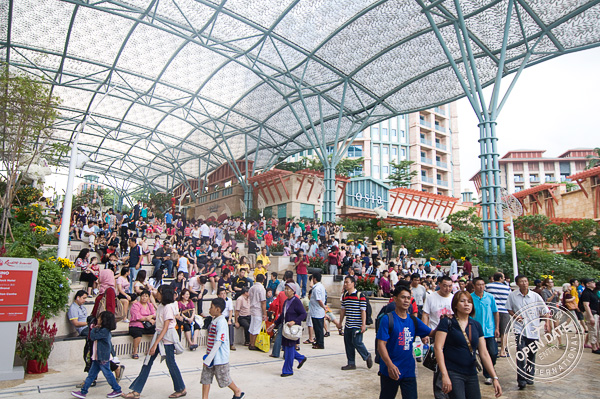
{"x":165,"y":343}
{"x":216,"y":360}
{"x":101,"y":336}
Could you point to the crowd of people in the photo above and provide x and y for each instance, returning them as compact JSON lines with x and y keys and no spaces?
{"x":453,"y":312}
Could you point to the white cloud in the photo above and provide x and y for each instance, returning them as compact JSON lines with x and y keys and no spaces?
{"x":551,"y":108}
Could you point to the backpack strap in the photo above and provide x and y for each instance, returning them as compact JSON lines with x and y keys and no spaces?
{"x":416,"y":323}
{"x":391,"y":323}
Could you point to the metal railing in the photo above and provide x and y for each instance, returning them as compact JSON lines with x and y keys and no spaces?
{"x":442,"y":164}
{"x":440,"y":128}
{"x":427,"y":142}
{"x":425,"y":123}
{"x":439,"y":111}
{"x":442,"y":183}
{"x":426,"y":179}
{"x":427,"y":160}
{"x":441,"y":146}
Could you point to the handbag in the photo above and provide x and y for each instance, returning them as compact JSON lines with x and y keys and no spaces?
{"x":120,"y":312}
{"x":147,"y":325}
{"x":477,"y":363}
{"x":292,"y":333}
{"x":571,"y":305}
{"x":263,"y":340}
{"x":430,"y":361}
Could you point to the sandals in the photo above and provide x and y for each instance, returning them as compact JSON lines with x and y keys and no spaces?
{"x":178,"y":394}
{"x":135,"y":356}
{"x":121,"y":371}
{"x":238,"y":397}
{"x":309,"y":342}
{"x":132,"y":395}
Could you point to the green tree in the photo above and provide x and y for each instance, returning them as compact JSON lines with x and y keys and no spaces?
{"x":466,"y":221}
{"x":593,"y":160}
{"x":345,"y":167}
{"x":533,"y":226}
{"x":401,"y":175}
{"x":27,"y":114}
{"x":92,"y":197}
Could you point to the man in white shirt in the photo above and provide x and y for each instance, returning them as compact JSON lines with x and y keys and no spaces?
{"x":418,"y":292}
{"x":438,"y":304}
{"x":228,"y":314}
{"x":527,"y":326}
{"x":394,"y":276}
{"x":258,"y":309}
{"x":317,"y":310}
{"x":89,"y":233}
{"x":312,"y":251}
{"x":453,"y":266}
{"x":86,"y":208}
{"x":205,"y":232}
{"x":304,"y":245}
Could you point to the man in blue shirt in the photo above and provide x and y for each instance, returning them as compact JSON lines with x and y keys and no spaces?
{"x":486,"y":313}
{"x":397,"y":366}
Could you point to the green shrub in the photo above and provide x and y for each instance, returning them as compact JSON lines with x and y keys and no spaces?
{"x":52,"y":289}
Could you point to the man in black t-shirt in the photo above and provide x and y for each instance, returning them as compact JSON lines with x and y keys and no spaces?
{"x":239,"y":282}
{"x":588,"y":304}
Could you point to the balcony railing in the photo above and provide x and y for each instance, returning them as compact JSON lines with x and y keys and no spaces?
{"x":213,"y":196}
{"x":227,"y":191}
{"x":427,"y":142}
{"x":534,"y":179}
{"x":427,"y":160}
{"x":442,"y":182}
{"x":441,"y":146}
{"x":440,"y":128}
{"x":439,"y":111}
{"x":426,"y":179}
{"x":519,"y":179}
{"x":442,"y":164}
{"x":425,"y":123}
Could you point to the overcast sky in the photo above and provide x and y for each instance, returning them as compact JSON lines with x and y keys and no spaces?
{"x":551,"y":108}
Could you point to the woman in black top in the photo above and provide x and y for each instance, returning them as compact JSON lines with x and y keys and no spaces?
{"x":456,"y":357}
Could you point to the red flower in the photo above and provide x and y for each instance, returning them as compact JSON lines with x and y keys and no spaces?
{"x":32,"y":224}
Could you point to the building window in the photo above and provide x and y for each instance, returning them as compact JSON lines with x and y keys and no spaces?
{"x":310,"y":152}
{"x":355,"y":151}
{"x":375,"y":133}
{"x":394,"y":134}
{"x":329,"y":149}
{"x":533,"y":178}
{"x":356,"y":172}
{"x":375,"y":151}
{"x":404,"y":153}
{"x":385,"y":172}
{"x":395,"y":153}
{"x":376,"y":171}
{"x":359,"y":135}
{"x":403,"y":134}
{"x":518,"y":178}
{"x":384,"y":134}
{"x":549,"y":178}
{"x":385,"y":151}
{"x":423,"y":173}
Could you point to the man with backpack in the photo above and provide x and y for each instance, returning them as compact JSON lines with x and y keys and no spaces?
{"x":354,"y":310}
{"x":395,"y":339}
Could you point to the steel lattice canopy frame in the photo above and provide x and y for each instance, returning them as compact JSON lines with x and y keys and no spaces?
{"x":193,"y":84}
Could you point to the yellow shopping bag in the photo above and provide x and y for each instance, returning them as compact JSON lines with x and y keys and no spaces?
{"x":263,"y":341}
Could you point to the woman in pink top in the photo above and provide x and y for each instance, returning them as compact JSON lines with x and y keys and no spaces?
{"x":143,"y":320}
{"x":186,"y":318}
{"x":123,"y":288}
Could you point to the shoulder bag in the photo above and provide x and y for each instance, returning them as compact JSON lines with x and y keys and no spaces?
{"x":475,"y":355}
{"x":294,"y":332}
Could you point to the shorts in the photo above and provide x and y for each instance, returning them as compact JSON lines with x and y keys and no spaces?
{"x":137,"y":332}
{"x":309,"y":322}
{"x":504,"y":320}
{"x":221,"y":371}
{"x":132,"y":296}
{"x":579,"y":315}
{"x":255,"y":324}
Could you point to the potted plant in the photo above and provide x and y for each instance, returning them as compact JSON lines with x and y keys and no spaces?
{"x":34,"y":343}
{"x":317,"y":264}
{"x":239,"y":237}
{"x":366,"y":284}
{"x":277,"y":249}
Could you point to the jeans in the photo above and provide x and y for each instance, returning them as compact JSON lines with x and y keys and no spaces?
{"x":168,"y":264}
{"x":319,"y":327}
{"x":389,"y":387}
{"x":132,"y":276}
{"x":245,"y":324}
{"x":353,"y":341}
{"x":277,"y":342}
{"x":140,"y":381}
{"x":492,"y":348}
{"x":333,"y":270}
{"x":289,"y":355}
{"x":302,"y":280}
{"x":93,"y":373}
{"x":464,"y":386}
{"x":525,"y":359}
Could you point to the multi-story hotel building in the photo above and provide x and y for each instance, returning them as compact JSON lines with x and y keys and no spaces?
{"x":91,"y":183}
{"x":523,"y":169}
{"x":429,"y":138}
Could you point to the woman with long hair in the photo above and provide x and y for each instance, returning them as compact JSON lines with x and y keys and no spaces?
{"x":165,"y":342}
{"x":186,"y":318}
{"x":87,"y":274}
{"x":456,"y":341}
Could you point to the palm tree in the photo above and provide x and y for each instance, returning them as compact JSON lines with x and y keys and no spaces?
{"x":593,"y":160}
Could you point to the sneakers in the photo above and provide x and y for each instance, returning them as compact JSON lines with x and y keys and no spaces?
{"x":488,"y":381}
{"x":114,"y":394}
{"x":78,"y":394}
{"x":349,"y":367}
{"x":369,"y":361}
{"x":95,"y":291}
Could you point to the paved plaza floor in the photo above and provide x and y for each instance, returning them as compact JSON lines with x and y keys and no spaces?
{"x":259,"y":377}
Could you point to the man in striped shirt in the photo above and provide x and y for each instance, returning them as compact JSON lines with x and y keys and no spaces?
{"x":500,"y":292}
{"x":354,"y":310}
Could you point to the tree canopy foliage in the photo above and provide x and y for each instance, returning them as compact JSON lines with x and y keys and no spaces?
{"x":401,"y":175}
{"x":593,"y":160}
{"x":345,"y":167}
